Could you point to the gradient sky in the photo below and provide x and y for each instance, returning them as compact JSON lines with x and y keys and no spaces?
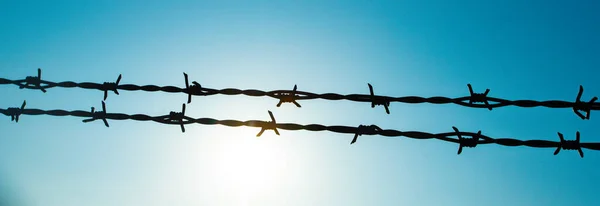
{"x":538,"y":49}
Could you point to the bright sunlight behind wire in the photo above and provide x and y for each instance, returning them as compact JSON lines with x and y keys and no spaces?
{"x":376,"y":103}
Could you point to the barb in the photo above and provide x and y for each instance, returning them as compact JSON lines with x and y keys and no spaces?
{"x":111,"y":86}
{"x":15,"y":112}
{"x":96,"y":115}
{"x":288,"y":97}
{"x":197,"y":90}
{"x":377,"y":100}
{"x":177,"y":117}
{"x":272,"y":125}
{"x":466,"y":142}
{"x":364,"y":129}
{"x":33,"y":82}
{"x":479,"y":97}
{"x":583,"y":106}
{"x":569,"y":144}
{"x":370,"y":130}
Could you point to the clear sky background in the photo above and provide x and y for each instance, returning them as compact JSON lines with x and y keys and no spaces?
{"x":538,"y":49}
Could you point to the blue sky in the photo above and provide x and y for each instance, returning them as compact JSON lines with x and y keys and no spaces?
{"x":537,"y":50}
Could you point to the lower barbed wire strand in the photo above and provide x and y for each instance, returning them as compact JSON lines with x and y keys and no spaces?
{"x":309,"y":127}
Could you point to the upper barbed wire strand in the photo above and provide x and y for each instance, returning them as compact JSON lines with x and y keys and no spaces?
{"x":303,"y":95}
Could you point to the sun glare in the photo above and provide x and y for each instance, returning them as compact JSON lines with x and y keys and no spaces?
{"x":250,"y":167}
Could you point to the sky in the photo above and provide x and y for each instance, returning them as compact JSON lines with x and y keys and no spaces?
{"x":540,"y":50}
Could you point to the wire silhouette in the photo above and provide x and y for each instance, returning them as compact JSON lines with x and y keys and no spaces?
{"x":466,"y":142}
{"x":272,"y":125}
{"x":569,"y":144}
{"x":363,"y":129}
{"x":479,"y":97}
{"x":195,"y":89}
{"x":111,"y":86}
{"x":15,"y":112}
{"x":583,"y":106}
{"x":293,"y":95}
{"x":289,"y":97}
{"x":175,"y":118}
{"x":378,"y":100}
{"x":96,"y":115}
{"x":34,"y":82}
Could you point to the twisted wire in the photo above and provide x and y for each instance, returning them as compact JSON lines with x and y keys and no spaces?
{"x":196,"y":90}
{"x":478,"y":138}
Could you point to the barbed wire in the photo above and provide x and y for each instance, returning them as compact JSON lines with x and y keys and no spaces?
{"x":179,"y":118}
{"x":474,"y":100}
